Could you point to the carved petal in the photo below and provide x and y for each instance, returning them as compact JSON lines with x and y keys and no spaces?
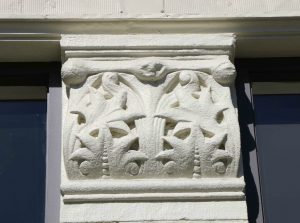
{"x":205,"y":97}
{"x":133,"y":155}
{"x":182,"y":130}
{"x":124,"y":143}
{"x":119,"y":127}
{"x":82,"y":154}
{"x":173,"y":141}
{"x":185,"y":98}
{"x":119,"y":100}
{"x":87,"y":140}
{"x":220,"y":155}
{"x":217,"y":139}
{"x":122,"y":115}
{"x":178,"y":114}
{"x":165,"y":155}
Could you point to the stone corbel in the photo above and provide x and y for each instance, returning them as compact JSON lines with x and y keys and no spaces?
{"x":150,"y":129}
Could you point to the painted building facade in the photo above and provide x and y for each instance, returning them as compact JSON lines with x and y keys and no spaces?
{"x":147,"y":117}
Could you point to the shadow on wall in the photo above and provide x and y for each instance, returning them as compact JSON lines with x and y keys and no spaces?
{"x":246,"y":119}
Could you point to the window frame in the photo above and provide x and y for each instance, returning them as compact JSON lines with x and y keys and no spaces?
{"x":274,"y":70}
{"x":48,"y":75}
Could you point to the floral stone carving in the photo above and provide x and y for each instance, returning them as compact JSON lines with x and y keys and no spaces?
{"x":150,"y":118}
{"x":150,"y":129}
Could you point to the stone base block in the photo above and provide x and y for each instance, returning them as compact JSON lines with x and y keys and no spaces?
{"x":169,"y":212}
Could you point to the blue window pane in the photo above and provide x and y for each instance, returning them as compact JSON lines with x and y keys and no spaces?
{"x":22,"y":161}
{"x":277,"y":119}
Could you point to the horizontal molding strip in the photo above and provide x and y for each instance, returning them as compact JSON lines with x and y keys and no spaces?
{"x":153,"y":186}
{"x":105,"y":54}
{"x":153,"y":197}
{"x":38,"y":40}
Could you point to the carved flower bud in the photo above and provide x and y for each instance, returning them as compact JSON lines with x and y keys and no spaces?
{"x":197,"y":169}
{"x":111,"y":77}
{"x":73,"y":72}
{"x":185,"y":77}
{"x":150,"y":70}
{"x":224,"y":73}
{"x":220,"y":167}
{"x":132,"y":168}
{"x":170,"y":167}
{"x":196,"y":175}
{"x":85,"y":167}
{"x":196,"y":162}
{"x":152,"y":66}
{"x":105,"y":171}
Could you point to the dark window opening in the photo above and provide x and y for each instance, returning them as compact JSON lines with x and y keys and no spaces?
{"x":277,"y":127}
{"x":22,"y":160}
{"x":30,"y":135}
{"x":268,"y":93}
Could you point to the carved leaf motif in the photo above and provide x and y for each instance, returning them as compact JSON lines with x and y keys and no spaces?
{"x":82,"y":154}
{"x":129,"y":127}
{"x":105,"y":118}
{"x":195,"y":105}
{"x":124,"y":154}
{"x":178,"y":158}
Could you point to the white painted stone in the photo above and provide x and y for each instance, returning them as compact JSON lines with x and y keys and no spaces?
{"x":207,"y":189}
{"x":141,"y":9}
{"x":94,"y":42}
{"x":150,"y":117}
{"x":213,"y":211}
{"x":154,"y":128}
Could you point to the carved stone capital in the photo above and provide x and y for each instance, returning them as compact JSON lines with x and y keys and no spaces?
{"x":149,"y":120}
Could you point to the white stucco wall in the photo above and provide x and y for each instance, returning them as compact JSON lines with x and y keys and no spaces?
{"x":147,"y":8}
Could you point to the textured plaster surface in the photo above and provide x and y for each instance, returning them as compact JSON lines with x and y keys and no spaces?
{"x":228,"y":211}
{"x":137,"y":9}
{"x":150,"y":130}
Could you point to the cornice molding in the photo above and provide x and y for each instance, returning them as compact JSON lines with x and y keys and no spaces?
{"x":143,"y":45}
{"x":39,"y":40}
